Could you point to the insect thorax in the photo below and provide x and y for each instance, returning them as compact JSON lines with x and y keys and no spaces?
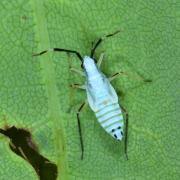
{"x":90,"y":66}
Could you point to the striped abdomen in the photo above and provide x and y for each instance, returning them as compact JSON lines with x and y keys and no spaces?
{"x":110,"y":118}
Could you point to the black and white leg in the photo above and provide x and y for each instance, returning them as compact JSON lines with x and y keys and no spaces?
{"x":99,"y":42}
{"x":126,"y":131}
{"x":79,"y":128}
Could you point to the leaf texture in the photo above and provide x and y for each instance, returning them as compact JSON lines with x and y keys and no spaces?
{"x":35,"y":92}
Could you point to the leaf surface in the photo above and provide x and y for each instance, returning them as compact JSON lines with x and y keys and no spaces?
{"x":35,"y":92}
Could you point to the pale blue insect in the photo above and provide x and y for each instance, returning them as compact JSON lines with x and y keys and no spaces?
{"x":101,"y":96}
{"x":103,"y":99}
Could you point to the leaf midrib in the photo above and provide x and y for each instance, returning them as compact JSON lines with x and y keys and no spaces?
{"x":48,"y":76}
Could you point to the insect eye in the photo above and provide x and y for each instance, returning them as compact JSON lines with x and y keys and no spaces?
{"x":113,"y":130}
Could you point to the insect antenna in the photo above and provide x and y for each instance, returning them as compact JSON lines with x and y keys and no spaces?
{"x":61,"y":50}
{"x":100,"y":40}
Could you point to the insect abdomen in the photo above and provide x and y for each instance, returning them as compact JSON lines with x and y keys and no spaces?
{"x":110,"y":118}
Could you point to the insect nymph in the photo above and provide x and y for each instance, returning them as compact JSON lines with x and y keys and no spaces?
{"x":103,"y":99}
{"x":101,"y":96}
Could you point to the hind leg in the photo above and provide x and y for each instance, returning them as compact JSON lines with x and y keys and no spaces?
{"x":79,"y":128}
{"x":126,"y":131}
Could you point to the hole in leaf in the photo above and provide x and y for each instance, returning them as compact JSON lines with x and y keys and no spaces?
{"x":21,"y":143}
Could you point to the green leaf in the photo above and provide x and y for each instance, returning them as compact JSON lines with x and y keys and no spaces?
{"x":35,"y":92}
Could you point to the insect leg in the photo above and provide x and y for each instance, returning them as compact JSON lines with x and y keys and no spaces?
{"x":126,"y":131}
{"x":100,"y":60}
{"x":114,"y":76}
{"x":139,"y":78}
{"x":79,"y":128}
{"x":77,"y":71}
{"x":60,"y":50}
{"x":78,"y":86}
{"x":99,"y":41}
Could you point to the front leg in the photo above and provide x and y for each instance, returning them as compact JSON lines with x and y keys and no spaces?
{"x":77,"y":71}
{"x":100,"y":60}
{"x":78,"y":86}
